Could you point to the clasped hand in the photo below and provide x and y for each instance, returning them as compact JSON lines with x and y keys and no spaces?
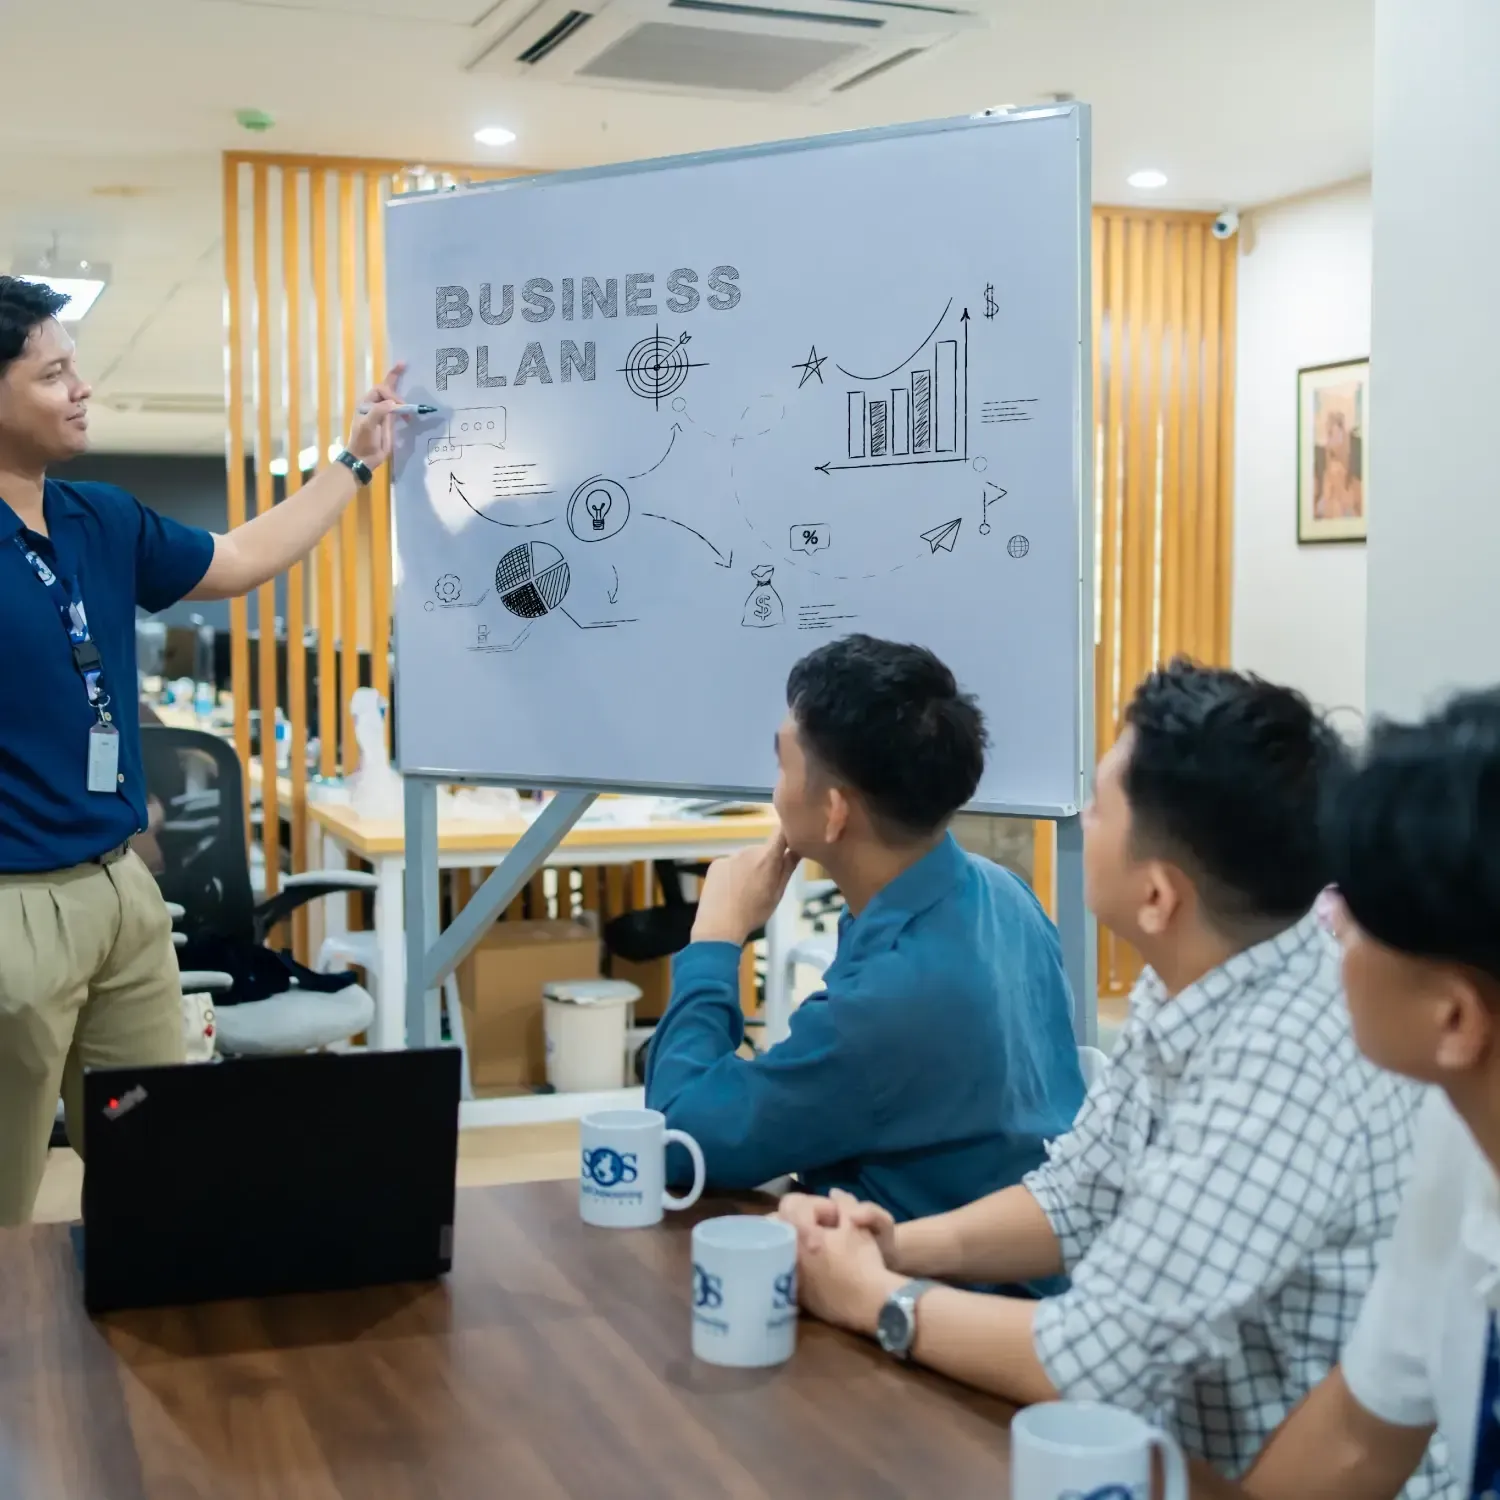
{"x":846,"y":1252}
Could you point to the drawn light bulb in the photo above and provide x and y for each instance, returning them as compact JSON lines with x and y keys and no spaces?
{"x":598,"y":507}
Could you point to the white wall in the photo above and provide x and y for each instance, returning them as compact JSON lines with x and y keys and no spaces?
{"x":1304,"y":299}
{"x":1434,"y":584}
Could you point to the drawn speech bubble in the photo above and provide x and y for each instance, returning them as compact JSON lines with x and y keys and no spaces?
{"x":811,"y":537}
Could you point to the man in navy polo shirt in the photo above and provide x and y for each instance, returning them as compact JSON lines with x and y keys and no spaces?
{"x":88,"y":976}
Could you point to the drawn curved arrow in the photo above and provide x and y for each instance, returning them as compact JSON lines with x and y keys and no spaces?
{"x":455,"y":488}
{"x":614,"y":593}
{"x":676,"y":428}
{"x":723,"y":562}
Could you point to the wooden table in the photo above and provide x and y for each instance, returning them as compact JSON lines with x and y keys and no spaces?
{"x":554,"y":1364}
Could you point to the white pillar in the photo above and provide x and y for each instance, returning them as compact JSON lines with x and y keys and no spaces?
{"x":1434,"y":452}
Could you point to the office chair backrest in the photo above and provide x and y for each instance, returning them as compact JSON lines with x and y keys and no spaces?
{"x":195,"y":841}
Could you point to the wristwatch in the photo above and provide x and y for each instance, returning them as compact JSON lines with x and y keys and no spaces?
{"x":896,"y":1328}
{"x":356,"y":466}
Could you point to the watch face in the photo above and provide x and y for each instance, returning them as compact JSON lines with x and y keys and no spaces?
{"x":893,"y":1330}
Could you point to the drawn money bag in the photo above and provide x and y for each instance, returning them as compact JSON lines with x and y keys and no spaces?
{"x":763,"y":607}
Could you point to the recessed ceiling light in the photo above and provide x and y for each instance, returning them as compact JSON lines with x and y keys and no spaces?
{"x":1150,"y":178}
{"x":494,"y":135}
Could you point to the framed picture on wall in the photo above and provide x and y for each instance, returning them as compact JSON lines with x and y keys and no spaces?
{"x":1333,"y":427}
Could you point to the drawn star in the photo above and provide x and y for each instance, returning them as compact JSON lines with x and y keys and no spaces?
{"x":812,"y":365}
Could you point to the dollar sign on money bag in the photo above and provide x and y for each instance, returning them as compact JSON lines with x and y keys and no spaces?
{"x":763,"y":608}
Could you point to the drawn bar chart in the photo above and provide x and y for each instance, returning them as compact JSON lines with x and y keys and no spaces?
{"x":922,"y":419}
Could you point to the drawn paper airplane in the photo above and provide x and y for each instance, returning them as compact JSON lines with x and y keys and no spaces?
{"x":943,"y":536}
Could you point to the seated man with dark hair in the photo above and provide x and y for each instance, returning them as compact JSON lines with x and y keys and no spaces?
{"x":941,"y":1056}
{"x":1222,"y":1198}
{"x":1414,"y":840}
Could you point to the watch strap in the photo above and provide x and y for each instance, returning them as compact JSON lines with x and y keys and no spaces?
{"x":356,"y":466}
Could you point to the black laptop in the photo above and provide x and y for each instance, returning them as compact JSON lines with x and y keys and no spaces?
{"x":253,"y":1177}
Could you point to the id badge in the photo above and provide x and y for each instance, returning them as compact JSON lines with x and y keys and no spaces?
{"x":104,"y":758}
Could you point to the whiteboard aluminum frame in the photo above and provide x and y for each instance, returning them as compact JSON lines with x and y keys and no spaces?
{"x":1082,"y":426}
{"x":433,"y":955}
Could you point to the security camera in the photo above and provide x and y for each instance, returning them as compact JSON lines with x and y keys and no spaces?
{"x":1226,"y":226}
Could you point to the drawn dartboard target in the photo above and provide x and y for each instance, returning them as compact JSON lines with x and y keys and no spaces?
{"x":657,"y":366}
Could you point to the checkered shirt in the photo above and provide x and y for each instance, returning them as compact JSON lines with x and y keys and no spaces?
{"x":1220,"y":1201}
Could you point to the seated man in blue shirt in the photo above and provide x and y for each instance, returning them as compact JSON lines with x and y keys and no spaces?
{"x":941,"y":1055}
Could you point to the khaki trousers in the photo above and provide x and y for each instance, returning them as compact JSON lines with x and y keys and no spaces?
{"x":88,"y":979}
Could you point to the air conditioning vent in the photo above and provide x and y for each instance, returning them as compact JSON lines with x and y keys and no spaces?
{"x":775,"y":13}
{"x":554,"y":37}
{"x":789,"y":50}
{"x":697,"y":58}
{"x":884,"y":66}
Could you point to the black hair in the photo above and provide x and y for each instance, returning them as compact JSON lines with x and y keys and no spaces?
{"x":890,"y":721}
{"x":1413,"y":836}
{"x":1225,"y":778}
{"x":24,"y":306}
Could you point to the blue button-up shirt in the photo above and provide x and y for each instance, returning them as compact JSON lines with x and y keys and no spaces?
{"x":928,"y":1073}
{"x":120,"y":554}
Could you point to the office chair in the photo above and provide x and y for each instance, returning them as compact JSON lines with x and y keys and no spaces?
{"x":196,"y":849}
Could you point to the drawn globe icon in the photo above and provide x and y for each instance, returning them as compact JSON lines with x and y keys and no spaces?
{"x":1018,"y":546}
{"x":532,"y":579}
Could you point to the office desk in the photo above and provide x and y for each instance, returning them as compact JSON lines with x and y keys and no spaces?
{"x":336,"y":831}
{"x":553,"y":1364}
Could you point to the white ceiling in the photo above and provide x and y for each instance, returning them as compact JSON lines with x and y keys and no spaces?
{"x":112,"y":117}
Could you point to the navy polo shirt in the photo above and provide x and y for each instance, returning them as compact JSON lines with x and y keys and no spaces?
{"x":120,"y":555}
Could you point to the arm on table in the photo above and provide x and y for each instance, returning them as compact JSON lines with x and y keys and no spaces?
{"x":1004,"y":1237}
{"x":800,"y":1106}
{"x":1161,"y":1292}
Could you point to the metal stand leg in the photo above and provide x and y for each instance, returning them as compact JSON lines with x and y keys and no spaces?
{"x":421,"y":908}
{"x":553,"y":824}
{"x":1075,"y":926}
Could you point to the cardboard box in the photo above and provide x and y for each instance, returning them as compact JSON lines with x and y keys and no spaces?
{"x":500,"y":987}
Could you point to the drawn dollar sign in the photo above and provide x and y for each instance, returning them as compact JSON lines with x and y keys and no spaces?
{"x":762,"y":608}
{"x":991,"y":307}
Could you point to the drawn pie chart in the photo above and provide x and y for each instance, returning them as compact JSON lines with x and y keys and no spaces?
{"x":532,"y":579}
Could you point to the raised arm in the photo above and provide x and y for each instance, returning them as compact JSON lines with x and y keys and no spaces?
{"x":267,"y":545}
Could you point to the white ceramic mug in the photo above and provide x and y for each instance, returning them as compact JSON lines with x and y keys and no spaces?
{"x":622,"y":1176}
{"x":1085,"y":1450}
{"x":744,"y":1291}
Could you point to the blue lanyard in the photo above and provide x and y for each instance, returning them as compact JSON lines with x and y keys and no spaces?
{"x":75,"y":621}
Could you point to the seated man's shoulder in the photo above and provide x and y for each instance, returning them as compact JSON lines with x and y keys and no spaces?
{"x":1289,"y":1034}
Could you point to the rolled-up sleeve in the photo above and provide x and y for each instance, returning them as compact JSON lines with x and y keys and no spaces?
{"x":1224,"y":1204}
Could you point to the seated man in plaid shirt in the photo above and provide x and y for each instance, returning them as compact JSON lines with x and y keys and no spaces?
{"x":1222,"y":1195}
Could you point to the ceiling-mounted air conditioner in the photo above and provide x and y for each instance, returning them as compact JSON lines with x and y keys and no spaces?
{"x":804,"y":51}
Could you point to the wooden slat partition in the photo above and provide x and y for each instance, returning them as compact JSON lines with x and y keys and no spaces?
{"x":239,"y":609}
{"x":1164,"y":414}
{"x":296,"y":588}
{"x":305,"y":334}
{"x":328,"y":706}
{"x":265,"y":498}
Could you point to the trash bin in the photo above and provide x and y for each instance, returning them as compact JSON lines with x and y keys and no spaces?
{"x":586,"y":1021}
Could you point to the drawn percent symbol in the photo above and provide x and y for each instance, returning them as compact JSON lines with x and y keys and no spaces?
{"x":657,"y":366}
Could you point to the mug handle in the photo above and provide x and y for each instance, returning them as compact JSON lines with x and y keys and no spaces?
{"x":1174,"y":1466}
{"x":700,"y":1177}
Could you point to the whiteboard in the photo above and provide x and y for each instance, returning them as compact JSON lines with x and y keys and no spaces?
{"x":699,"y":416}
